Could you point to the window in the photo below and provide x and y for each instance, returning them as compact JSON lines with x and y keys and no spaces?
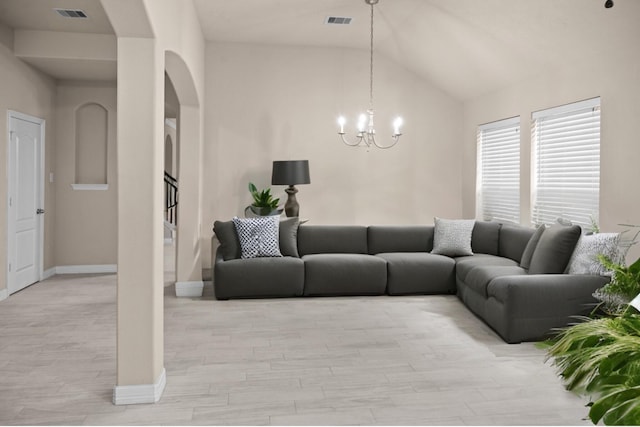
{"x":498,"y":180}
{"x":566,"y":163}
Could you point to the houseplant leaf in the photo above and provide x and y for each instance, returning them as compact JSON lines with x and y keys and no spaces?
{"x":620,"y":407}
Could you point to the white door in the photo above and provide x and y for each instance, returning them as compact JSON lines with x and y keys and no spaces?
{"x":25,"y":201}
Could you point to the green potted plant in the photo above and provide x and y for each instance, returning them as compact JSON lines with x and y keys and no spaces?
{"x":263,"y":202}
{"x":623,"y":287}
{"x":600,"y":357}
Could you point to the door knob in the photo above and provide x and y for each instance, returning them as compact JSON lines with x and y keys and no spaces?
{"x":40,"y":211}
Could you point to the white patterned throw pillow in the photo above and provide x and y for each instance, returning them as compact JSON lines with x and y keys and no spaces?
{"x":452,"y":237}
{"x":259,"y":237}
{"x":585,"y":256}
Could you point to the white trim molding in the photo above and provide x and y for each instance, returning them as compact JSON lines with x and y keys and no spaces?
{"x":189,"y":289}
{"x":90,"y":187}
{"x":142,"y":393}
{"x":49,"y":272}
{"x":4,"y":294}
{"x":87,"y":269}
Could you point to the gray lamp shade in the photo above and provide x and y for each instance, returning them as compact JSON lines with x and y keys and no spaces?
{"x":290,"y":172}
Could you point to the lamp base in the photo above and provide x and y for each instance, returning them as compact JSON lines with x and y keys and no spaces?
{"x":291,"y":207}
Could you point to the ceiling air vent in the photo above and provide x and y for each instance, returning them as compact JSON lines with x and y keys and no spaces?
{"x":338,"y":20}
{"x":71,"y":13}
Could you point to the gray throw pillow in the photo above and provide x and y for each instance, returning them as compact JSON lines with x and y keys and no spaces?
{"x":554,"y":249}
{"x":259,"y":237}
{"x":452,"y":237}
{"x":525,"y":261}
{"x":585,"y":257}
{"x":228,"y":238}
{"x":289,"y":237}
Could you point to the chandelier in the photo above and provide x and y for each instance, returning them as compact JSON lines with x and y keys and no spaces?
{"x":366,"y":132}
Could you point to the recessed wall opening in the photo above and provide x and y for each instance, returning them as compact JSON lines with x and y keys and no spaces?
{"x":91,"y":144}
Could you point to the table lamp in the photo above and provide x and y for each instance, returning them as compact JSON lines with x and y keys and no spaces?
{"x":290,"y":172}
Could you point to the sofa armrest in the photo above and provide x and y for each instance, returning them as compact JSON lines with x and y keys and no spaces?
{"x":218,"y":255}
{"x":532,"y":307}
{"x":540,"y":295}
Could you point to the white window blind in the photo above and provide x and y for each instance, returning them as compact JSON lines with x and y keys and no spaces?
{"x":498,"y":176}
{"x":566,"y":151}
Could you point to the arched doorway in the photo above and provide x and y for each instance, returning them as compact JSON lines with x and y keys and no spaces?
{"x":187,"y":160}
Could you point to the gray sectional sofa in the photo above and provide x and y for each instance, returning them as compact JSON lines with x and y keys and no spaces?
{"x":511,"y":282}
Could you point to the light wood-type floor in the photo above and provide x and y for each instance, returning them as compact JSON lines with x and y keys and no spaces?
{"x":421,"y":360}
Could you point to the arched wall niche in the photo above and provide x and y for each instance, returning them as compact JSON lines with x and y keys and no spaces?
{"x":91,"y":121}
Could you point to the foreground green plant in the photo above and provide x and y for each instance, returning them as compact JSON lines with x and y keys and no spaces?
{"x":625,"y":281}
{"x":623,"y":287}
{"x":601,"y":358}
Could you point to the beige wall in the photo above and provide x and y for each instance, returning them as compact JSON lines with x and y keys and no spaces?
{"x":28,"y":91}
{"x":615,"y":77}
{"x":86,"y":221}
{"x":266,"y":103}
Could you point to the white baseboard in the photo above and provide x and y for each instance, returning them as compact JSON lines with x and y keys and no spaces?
{"x":189,"y":289}
{"x":87,"y":269}
{"x":4,"y":294}
{"x":142,"y":393}
{"x":50,"y":272}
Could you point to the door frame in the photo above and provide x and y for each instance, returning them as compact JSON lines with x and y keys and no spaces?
{"x":11,"y":185}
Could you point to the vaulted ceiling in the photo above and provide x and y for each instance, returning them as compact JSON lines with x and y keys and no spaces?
{"x":465,"y":47}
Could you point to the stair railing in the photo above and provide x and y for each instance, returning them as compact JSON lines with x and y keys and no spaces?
{"x":171,"y":199}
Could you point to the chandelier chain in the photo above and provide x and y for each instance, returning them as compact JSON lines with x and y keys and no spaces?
{"x":371,"y":63}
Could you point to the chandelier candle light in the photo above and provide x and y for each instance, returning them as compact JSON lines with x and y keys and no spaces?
{"x":366,"y":132}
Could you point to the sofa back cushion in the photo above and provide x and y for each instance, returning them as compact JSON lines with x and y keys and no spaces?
{"x":554,"y":249}
{"x":289,"y":236}
{"x":228,"y":237}
{"x":326,"y":239}
{"x":525,"y":262}
{"x":513,"y":240}
{"x":399,"y":238}
{"x":485,"y":238}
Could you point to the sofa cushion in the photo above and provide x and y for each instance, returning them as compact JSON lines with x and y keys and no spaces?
{"x":344,"y":274}
{"x":452,"y":237}
{"x":585,"y":256}
{"x":289,"y":237}
{"x":465,"y":264}
{"x":404,"y":238}
{"x":479,"y":278}
{"x":485,"y":237}
{"x":323,"y":239}
{"x":419,"y":273}
{"x":554,"y":249}
{"x":259,"y":237}
{"x":513,"y":240}
{"x":259,"y":278}
{"x":228,"y":238}
{"x":525,"y":262}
